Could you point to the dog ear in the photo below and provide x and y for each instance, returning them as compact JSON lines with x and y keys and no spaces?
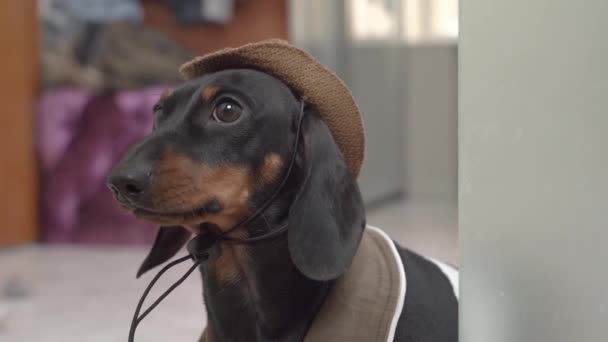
{"x":327,"y":218}
{"x":169,"y":240}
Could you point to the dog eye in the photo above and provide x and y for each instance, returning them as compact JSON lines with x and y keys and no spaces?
{"x":227,"y":111}
{"x":157,"y":107}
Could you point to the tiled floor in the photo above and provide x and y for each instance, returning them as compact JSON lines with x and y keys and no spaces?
{"x":88,"y":294}
{"x":428,"y":227}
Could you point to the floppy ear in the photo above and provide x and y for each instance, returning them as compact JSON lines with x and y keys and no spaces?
{"x":327,"y":218}
{"x":169,"y":240}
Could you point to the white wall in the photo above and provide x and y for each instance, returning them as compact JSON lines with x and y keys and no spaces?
{"x":408,"y":96}
{"x":376,"y":78}
{"x":533,"y":139}
{"x":430,"y":121}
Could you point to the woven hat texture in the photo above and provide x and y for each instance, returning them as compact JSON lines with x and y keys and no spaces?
{"x":307,"y":77}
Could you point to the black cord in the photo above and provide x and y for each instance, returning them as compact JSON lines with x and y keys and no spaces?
{"x":199,"y":256}
{"x":136,"y":318}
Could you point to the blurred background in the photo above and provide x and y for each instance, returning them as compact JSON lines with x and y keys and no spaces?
{"x":80,"y":79}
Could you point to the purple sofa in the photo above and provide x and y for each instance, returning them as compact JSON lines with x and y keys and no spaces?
{"x":80,"y":137}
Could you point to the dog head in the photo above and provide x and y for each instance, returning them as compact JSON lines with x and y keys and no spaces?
{"x":220,"y":144}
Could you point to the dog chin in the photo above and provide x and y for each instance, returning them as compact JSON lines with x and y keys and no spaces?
{"x":169,"y":219}
{"x":190,"y":220}
{"x":196,"y":225}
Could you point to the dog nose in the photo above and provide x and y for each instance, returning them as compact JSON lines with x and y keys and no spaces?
{"x":130,"y":183}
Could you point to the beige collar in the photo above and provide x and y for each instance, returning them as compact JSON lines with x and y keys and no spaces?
{"x":366,"y":302}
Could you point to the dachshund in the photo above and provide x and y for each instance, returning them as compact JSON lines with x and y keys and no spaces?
{"x":220,"y":145}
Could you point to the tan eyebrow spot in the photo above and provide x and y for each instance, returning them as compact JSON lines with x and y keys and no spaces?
{"x":167,"y":93}
{"x":270,"y":169}
{"x":210,"y":92}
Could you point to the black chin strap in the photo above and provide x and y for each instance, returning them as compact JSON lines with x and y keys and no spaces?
{"x":198,"y":247}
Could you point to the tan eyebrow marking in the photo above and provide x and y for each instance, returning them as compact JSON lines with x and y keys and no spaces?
{"x":167,"y":93}
{"x":210,"y":92}
{"x":270,"y":169}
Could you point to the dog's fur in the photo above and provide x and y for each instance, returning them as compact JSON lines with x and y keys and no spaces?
{"x":193,"y":174}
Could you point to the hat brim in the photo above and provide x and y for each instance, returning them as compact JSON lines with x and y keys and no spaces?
{"x":307,"y":77}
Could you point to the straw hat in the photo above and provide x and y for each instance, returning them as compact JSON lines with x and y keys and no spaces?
{"x":306,"y":77}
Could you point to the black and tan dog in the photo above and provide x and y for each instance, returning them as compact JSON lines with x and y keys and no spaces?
{"x":220,"y":146}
